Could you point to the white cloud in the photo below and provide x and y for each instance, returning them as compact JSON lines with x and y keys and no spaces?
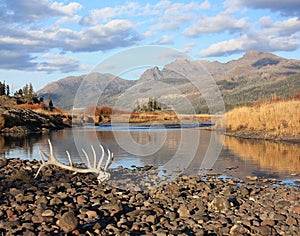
{"x":98,"y":16}
{"x":58,"y":62}
{"x":216,"y":24}
{"x":265,"y":22}
{"x":103,"y":15}
{"x":286,"y":8}
{"x":18,"y":60}
{"x":205,"y":5}
{"x":35,"y":10}
{"x":228,"y":47}
{"x":287,"y":27}
{"x":116,"y":33}
{"x":69,"y":9}
{"x":187,"y":47}
{"x":165,"y":39}
{"x":261,"y":41}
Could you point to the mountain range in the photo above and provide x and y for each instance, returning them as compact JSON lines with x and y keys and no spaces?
{"x":184,"y":84}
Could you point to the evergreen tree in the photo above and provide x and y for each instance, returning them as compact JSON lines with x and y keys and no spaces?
{"x":2,"y":88}
{"x":20,"y":92}
{"x":51,"y":107}
{"x":155,"y":104}
{"x":26,"y":91}
{"x":7,"y":91}
{"x":49,"y":97}
{"x":30,"y":91}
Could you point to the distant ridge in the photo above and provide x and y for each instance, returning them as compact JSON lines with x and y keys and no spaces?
{"x":256,"y":75}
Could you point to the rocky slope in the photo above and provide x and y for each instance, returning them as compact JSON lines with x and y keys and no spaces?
{"x":24,"y":121}
{"x":87,"y":89}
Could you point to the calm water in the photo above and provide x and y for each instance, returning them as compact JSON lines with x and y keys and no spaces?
{"x":188,"y":150}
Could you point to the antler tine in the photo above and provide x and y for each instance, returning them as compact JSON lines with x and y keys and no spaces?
{"x":43,"y":163}
{"x":95,"y":157}
{"x":87,"y":158}
{"x":69,"y":157}
{"x":108,"y":160}
{"x":51,"y":150}
{"x":102,"y":157}
{"x":102,"y":173}
{"x":41,"y":153}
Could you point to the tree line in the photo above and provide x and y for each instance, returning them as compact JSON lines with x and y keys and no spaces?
{"x":4,"y":89}
{"x":151,"y":105}
{"x":26,"y":93}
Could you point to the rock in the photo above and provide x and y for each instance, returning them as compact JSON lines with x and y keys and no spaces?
{"x":28,"y":233}
{"x":238,"y":230}
{"x":291,"y":221}
{"x":219,"y":204}
{"x":3,"y":162}
{"x":41,"y":219}
{"x":48,"y":212}
{"x":183,"y":211}
{"x":263,"y":230}
{"x":68,"y":222}
{"x":296,"y":209}
{"x":91,"y":214}
{"x":55,"y":201}
{"x":80,"y":199}
{"x":113,"y":228}
{"x":268,"y":222}
{"x":151,"y":219}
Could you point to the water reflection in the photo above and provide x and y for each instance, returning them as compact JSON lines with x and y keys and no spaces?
{"x":276,"y":157}
{"x":177,"y":151}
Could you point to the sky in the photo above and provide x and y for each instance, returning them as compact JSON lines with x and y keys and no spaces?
{"x":42,"y":41}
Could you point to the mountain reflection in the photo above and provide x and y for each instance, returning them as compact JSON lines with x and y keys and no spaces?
{"x":188,"y":150}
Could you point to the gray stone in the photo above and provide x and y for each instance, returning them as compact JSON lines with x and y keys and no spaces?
{"x":68,"y":222}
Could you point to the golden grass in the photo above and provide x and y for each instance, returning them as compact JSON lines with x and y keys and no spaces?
{"x":143,"y":117}
{"x":42,"y":109}
{"x":277,"y":118}
{"x":280,"y":157}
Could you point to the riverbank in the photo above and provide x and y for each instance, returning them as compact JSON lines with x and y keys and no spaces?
{"x":21,"y":121}
{"x":270,"y":120}
{"x":59,"y":202}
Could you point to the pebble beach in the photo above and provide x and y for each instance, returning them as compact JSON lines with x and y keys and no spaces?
{"x":59,"y":202}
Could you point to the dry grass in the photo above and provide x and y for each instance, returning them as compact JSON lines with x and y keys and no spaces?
{"x":143,"y":117}
{"x":41,"y":109}
{"x":275,"y":118}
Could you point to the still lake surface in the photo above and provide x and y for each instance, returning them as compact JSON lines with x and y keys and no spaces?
{"x":190,"y":150}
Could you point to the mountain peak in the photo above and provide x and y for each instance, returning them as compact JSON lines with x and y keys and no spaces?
{"x":254,"y":55}
{"x":152,"y":74}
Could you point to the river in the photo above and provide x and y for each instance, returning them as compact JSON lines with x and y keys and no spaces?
{"x":192,"y":151}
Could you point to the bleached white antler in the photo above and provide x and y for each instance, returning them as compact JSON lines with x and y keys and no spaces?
{"x":96,"y":168}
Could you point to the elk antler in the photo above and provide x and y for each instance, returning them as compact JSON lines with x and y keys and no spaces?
{"x":96,"y":168}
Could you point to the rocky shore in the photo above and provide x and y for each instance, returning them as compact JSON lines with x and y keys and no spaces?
{"x":19,"y":121}
{"x":58,"y":202}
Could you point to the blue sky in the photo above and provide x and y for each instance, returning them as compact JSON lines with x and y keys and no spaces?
{"x":45,"y":40}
